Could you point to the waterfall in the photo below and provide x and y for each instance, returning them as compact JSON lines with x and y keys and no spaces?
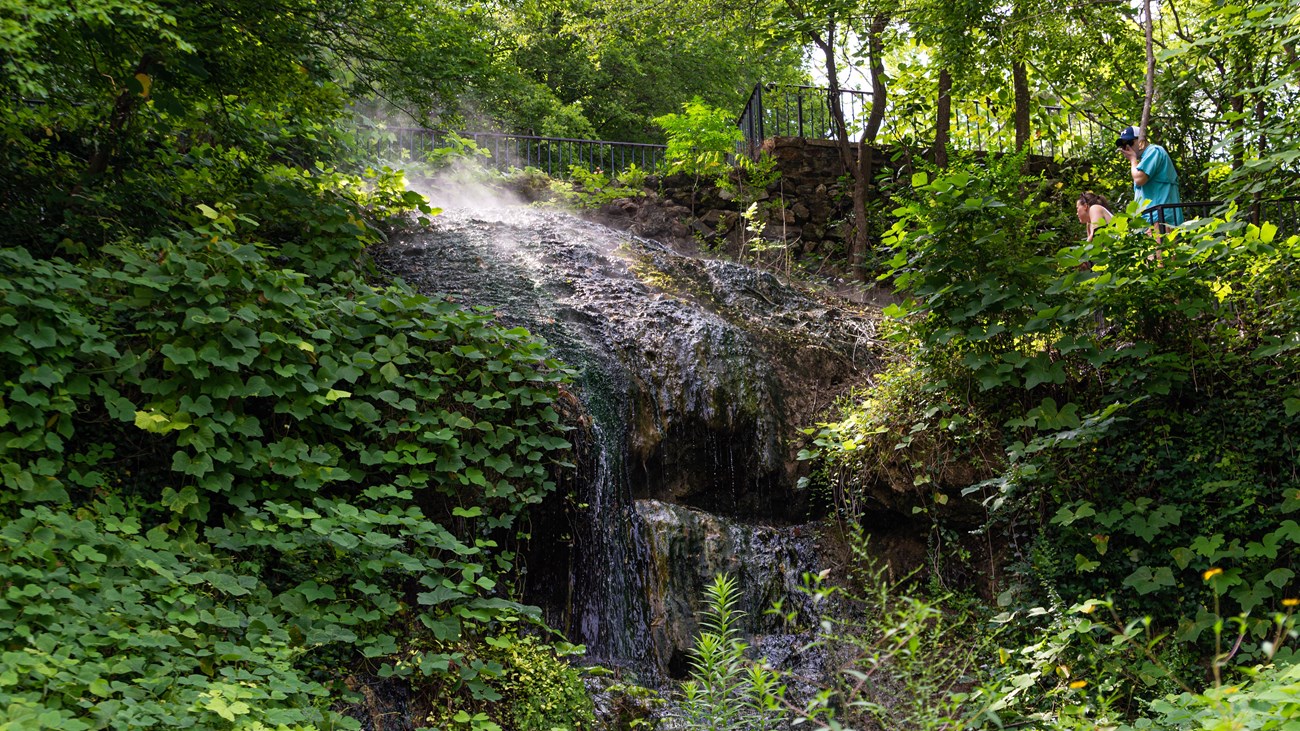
{"x":693,"y":377}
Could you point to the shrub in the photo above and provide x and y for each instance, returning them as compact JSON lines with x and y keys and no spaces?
{"x":907,"y":661}
{"x":700,"y":140}
{"x":632,"y":177}
{"x":593,"y":188}
{"x":1143,"y":392}
{"x":539,"y":689}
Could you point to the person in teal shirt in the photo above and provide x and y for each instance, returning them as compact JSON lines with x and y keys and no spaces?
{"x":1155,"y":180}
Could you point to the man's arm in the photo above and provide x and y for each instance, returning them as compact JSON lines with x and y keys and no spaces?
{"x":1139,"y":178}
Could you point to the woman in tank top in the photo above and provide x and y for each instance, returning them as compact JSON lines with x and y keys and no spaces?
{"x":1093,"y":210}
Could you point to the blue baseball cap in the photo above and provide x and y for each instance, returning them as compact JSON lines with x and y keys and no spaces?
{"x":1127,"y":136}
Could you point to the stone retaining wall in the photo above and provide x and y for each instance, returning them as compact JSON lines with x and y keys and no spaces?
{"x":805,"y":214}
{"x":807,"y":210}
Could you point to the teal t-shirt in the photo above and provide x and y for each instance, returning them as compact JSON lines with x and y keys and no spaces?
{"x":1162,"y":183}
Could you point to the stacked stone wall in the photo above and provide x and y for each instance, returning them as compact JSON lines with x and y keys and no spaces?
{"x":805,"y":213}
{"x":806,"y":209}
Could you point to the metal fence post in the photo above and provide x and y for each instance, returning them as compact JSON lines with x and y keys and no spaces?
{"x":798,"y":99}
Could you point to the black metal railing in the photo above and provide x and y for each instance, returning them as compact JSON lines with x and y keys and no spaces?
{"x":797,"y":111}
{"x":1281,"y":212}
{"x":750,"y":123}
{"x":804,"y":111}
{"x":556,"y":156}
{"x":1176,"y":214}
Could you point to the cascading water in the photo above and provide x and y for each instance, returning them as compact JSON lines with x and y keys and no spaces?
{"x":693,"y":376}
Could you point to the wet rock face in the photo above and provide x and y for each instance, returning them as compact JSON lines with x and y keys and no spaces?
{"x":652,"y":217}
{"x":694,"y":377}
{"x":719,"y":364}
{"x":808,"y":352}
{"x":688,"y":548}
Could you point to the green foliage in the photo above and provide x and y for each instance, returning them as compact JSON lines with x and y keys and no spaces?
{"x":101,"y":98}
{"x":540,"y":690}
{"x":700,"y":140}
{"x":726,"y":690}
{"x":907,"y":659}
{"x":1073,"y":665}
{"x":460,"y":155}
{"x":618,"y":66}
{"x":1265,"y":700}
{"x":1225,"y":102}
{"x":594,"y":188}
{"x":920,"y":441}
{"x":1208,"y":489}
{"x":112,"y":625}
{"x":632,"y":177}
{"x":750,"y":177}
{"x":915,"y":662}
{"x":748,"y":182}
{"x":1086,"y":668}
{"x":1138,"y":389}
{"x":527,"y":105}
{"x":231,"y":465}
{"x":1243,"y":64}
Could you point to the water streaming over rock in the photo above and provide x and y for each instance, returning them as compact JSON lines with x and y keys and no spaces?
{"x":689,"y":547}
{"x":694,"y":376}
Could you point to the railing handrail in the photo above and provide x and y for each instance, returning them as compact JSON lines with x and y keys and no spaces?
{"x":1216,"y":204}
{"x":758,"y":88}
{"x":773,"y":86}
{"x":803,"y":111}
{"x":553,"y":155}
{"x":1203,"y":204}
{"x":1253,"y":208}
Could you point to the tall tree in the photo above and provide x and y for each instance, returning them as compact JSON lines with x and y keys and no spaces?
{"x":1149,"y":90}
{"x":951,"y":30}
{"x":838,"y":27}
{"x":95,"y":92}
{"x":608,"y":67}
{"x":1229,"y":95}
{"x":943,"y":118}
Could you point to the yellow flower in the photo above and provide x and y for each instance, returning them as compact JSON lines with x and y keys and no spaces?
{"x":1211,"y":573}
{"x":1291,"y":602}
{"x":1078,"y":684}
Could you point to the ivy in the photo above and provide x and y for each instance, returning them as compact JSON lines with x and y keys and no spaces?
{"x":226,"y":477}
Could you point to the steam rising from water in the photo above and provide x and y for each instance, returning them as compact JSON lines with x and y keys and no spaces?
{"x":462,"y":186}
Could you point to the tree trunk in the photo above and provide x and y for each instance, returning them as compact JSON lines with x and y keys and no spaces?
{"x":879,"y":94}
{"x":1261,"y":113}
{"x":852,"y":167}
{"x":866,"y":149}
{"x":1261,"y":141}
{"x":860,"y":169}
{"x":943,"y":119}
{"x":1150,"y":90}
{"x":1238,"y":103}
{"x":1020,"y":85}
{"x":833,"y":102}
